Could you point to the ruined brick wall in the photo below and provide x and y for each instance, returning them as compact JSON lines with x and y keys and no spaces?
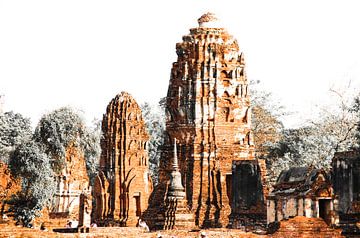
{"x":72,"y":180}
{"x":301,"y":191}
{"x":248,"y":209}
{"x":123,"y":184}
{"x":346,"y":181}
{"x":208,"y":111}
{"x":346,"y":184}
{"x":8,"y":186}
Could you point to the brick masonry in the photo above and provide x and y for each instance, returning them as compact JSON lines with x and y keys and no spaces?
{"x":208,"y":112}
{"x":123,"y":184}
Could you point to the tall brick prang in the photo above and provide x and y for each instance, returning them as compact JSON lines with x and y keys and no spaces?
{"x":123,"y":184}
{"x":208,"y":111}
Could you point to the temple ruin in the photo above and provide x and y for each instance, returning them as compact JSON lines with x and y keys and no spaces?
{"x":248,"y":207}
{"x":71,"y":182}
{"x":301,"y":191}
{"x":346,"y":184}
{"x":8,"y":187}
{"x":85,"y":210}
{"x":123,"y":185}
{"x":208,"y":112}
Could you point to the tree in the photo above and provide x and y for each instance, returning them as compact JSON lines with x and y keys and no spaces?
{"x":315,"y":143}
{"x":356,"y":110}
{"x":267,"y":128}
{"x":37,"y":160}
{"x":91,"y":146}
{"x":154,"y":117}
{"x":29,"y":163}
{"x":63,"y":127}
{"x":14,"y":129}
{"x":266,"y":121}
{"x":312,"y":144}
{"x":58,"y":130}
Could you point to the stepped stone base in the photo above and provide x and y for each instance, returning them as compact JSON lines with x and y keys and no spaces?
{"x":177,"y":215}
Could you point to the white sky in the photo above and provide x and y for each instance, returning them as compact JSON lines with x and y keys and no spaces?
{"x":82,"y":53}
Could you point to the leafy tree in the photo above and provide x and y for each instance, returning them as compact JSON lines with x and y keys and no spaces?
{"x":29,"y":163}
{"x":356,"y":110}
{"x":267,"y":128}
{"x":58,"y":130}
{"x":14,"y":129}
{"x":266,"y":121}
{"x":315,"y":143}
{"x":154,"y":117}
{"x":37,"y":160}
{"x":91,"y":146}
{"x":312,"y":144}
{"x":64,"y":127}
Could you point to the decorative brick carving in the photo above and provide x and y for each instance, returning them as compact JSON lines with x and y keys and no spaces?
{"x":123,"y":184}
{"x":208,"y":111}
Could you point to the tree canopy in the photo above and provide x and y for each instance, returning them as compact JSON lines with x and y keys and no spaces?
{"x":14,"y":129}
{"x":154,"y":117}
{"x":64,"y":127}
{"x":29,"y":163}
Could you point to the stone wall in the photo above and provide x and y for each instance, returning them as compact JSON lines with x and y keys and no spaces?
{"x":123,"y":185}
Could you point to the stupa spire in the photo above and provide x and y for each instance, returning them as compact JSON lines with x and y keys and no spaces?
{"x":176,"y":188}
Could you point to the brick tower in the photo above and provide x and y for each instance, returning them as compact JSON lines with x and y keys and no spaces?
{"x":123,"y":185}
{"x":208,"y":112}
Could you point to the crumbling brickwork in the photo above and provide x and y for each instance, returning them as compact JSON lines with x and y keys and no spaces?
{"x":8,"y":186}
{"x":208,"y":111}
{"x":346,"y":184}
{"x":85,"y":210}
{"x":123,"y":184}
{"x":71,"y":182}
{"x":248,"y":210}
{"x":301,"y":191}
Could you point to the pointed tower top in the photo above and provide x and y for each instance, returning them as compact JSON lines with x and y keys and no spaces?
{"x":209,"y":20}
{"x":175,"y":187}
{"x":175,"y":162}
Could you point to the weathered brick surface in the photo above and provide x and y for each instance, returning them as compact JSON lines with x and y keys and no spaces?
{"x":123,"y":185}
{"x":248,"y":209}
{"x":346,"y":183}
{"x":71,"y":181}
{"x":8,"y":186}
{"x":208,"y":111}
{"x":301,"y":191}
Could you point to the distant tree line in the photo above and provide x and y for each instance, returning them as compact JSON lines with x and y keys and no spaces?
{"x":314,"y":143}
